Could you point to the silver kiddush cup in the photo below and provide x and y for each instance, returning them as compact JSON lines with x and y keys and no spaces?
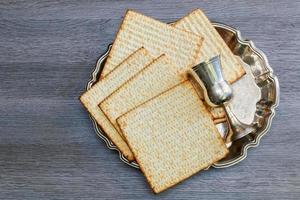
{"x":217,"y":92}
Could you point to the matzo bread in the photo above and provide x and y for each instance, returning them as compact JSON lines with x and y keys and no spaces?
{"x":213,"y":44}
{"x":155,"y":78}
{"x":138,"y":30}
{"x":196,"y":22}
{"x":106,"y":86}
{"x":220,"y":120}
{"x":217,"y":112}
{"x":172,"y":137}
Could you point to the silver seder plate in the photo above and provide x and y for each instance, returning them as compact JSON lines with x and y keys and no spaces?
{"x":256,"y":95}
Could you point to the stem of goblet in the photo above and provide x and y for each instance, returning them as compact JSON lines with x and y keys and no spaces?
{"x":238,"y":128}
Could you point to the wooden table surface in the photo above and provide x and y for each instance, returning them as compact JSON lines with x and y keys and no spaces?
{"x":48,"y":148}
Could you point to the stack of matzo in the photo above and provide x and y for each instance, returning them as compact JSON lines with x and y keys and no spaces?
{"x":147,"y":107}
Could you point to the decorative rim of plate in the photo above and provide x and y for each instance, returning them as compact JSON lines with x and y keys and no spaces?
{"x":262,"y":55}
{"x":255,"y":143}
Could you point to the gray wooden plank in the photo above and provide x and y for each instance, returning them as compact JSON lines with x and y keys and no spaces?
{"x":48,"y":149}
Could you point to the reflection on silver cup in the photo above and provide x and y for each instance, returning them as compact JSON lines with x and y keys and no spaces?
{"x":218,"y":91}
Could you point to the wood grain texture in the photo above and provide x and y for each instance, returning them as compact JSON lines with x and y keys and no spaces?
{"x":48,"y":149}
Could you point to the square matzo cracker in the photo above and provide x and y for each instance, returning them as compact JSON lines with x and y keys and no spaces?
{"x":172,"y":136}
